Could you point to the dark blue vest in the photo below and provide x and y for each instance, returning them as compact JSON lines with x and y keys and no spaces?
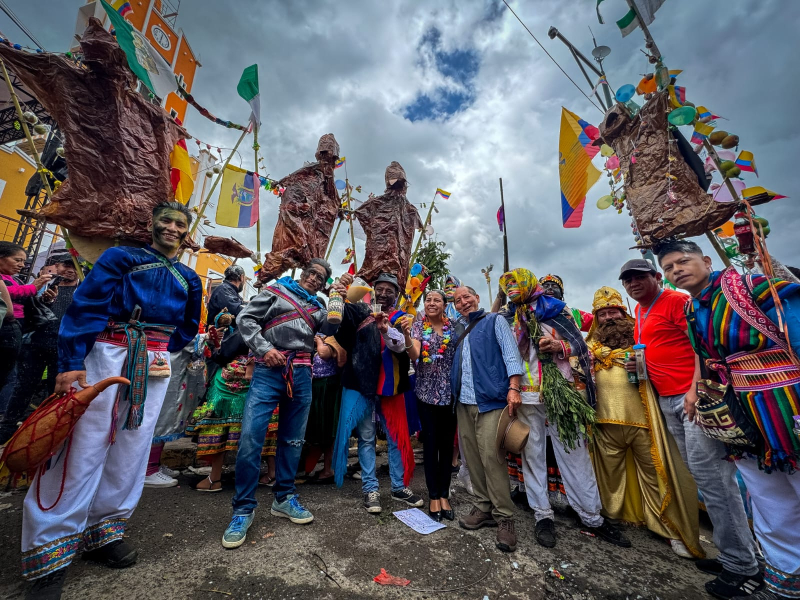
{"x":489,"y":375}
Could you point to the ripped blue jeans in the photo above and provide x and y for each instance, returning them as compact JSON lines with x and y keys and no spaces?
{"x":268,"y":390}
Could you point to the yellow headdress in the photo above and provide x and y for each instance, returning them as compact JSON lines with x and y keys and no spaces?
{"x":606,"y":297}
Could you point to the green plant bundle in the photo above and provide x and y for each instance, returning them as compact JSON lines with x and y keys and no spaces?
{"x":564,"y":405}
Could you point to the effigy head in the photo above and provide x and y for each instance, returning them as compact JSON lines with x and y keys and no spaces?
{"x":395,"y":177}
{"x":328,"y":147}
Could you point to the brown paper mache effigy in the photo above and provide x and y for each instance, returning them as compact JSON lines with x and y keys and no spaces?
{"x":646,"y":183}
{"x":309,"y":206}
{"x":389,"y":221}
{"x":117,"y":143}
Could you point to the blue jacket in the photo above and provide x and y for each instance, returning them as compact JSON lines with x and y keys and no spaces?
{"x":489,"y":374}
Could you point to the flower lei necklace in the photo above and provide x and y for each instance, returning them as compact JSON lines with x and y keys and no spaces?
{"x":427,"y":331}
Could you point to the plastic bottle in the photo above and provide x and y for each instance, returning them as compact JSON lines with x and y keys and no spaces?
{"x":744,"y":234}
{"x":632,"y":378}
{"x":641,"y":365}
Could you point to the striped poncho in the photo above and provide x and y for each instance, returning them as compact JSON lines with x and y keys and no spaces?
{"x":719,"y":333}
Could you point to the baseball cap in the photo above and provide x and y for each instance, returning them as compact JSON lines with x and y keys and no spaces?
{"x":637,"y":264}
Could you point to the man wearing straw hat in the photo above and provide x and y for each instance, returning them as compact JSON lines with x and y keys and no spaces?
{"x":485,"y":381}
{"x":554,"y":400}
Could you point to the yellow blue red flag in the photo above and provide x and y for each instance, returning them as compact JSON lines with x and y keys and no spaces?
{"x":181,"y":172}
{"x":575,"y":169}
{"x":746,"y":162}
{"x":238,"y":198}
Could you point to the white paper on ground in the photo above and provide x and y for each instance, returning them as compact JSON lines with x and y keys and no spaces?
{"x":418,"y":521}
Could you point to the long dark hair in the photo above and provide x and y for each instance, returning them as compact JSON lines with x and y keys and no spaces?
{"x":9,"y":249}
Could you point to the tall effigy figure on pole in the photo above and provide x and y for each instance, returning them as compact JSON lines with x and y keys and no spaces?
{"x":389,"y":221}
{"x":107,"y":126}
{"x":309,"y":206}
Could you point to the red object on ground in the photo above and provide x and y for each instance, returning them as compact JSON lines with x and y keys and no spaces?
{"x":385,"y":579}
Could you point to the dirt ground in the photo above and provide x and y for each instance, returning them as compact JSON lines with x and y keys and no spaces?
{"x":178,"y":532}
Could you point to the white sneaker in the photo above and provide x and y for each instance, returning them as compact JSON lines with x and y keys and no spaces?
{"x":357,"y":475}
{"x":159,"y":480}
{"x":679,"y":548}
{"x":169,"y":472}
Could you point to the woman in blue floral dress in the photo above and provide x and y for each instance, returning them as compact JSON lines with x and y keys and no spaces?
{"x":432,"y":340}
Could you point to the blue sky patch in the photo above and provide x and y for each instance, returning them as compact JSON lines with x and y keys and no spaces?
{"x":460,"y":66}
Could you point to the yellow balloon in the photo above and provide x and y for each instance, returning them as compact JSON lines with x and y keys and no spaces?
{"x":606,"y":150}
{"x":605,"y":201}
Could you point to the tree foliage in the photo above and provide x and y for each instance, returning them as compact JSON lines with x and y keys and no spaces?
{"x":434,"y":257}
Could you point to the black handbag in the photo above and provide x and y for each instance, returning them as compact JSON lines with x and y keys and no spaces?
{"x":37,"y":314}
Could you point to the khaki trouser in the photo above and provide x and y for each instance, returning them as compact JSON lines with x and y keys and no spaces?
{"x":489,"y":477}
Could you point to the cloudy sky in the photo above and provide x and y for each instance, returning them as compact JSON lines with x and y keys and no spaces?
{"x":460,"y":95}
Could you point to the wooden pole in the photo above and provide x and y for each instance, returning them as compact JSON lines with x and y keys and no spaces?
{"x":333,"y":239}
{"x":422,"y":233}
{"x":505,"y":230}
{"x":203,"y":206}
{"x":645,"y":30}
{"x":39,"y":166}
{"x":257,"y":184}
{"x":352,"y":217}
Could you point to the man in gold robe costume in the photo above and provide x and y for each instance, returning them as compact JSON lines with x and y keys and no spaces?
{"x":640,"y":474}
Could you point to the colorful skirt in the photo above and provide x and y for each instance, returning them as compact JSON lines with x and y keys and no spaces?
{"x":323,"y":418}
{"x":217,"y":424}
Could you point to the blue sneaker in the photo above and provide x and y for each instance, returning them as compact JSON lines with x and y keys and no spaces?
{"x":236,"y":532}
{"x":291,"y":509}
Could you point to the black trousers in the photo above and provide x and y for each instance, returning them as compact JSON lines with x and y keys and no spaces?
{"x":32,"y":362}
{"x":438,"y":435}
{"x":10,"y":342}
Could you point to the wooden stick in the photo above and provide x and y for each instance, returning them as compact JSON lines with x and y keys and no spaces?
{"x":505,"y":231}
{"x":211,"y":191}
{"x":352,"y":217}
{"x":333,"y":239}
{"x":422,"y":233}
{"x":257,"y":184}
{"x":39,"y":166}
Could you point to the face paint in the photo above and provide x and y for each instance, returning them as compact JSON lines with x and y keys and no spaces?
{"x":170,"y":229}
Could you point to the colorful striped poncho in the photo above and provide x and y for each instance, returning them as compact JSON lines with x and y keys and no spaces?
{"x":721,"y":333}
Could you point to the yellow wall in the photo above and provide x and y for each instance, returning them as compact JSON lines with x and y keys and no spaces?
{"x":13,"y":195}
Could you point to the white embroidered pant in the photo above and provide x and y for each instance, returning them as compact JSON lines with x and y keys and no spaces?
{"x":776,"y":520}
{"x":575,"y":466}
{"x":103,"y":482}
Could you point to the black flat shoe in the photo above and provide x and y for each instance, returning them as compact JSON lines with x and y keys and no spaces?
{"x":448,"y":514}
{"x":436,"y":515}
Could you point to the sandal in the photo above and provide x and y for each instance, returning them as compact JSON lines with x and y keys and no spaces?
{"x":210,"y":489}
{"x":269,"y":482}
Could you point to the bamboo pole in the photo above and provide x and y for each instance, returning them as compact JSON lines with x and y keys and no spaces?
{"x":422,"y":233}
{"x":39,"y":166}
{"x":257,"y":184}
{"x":352,"y":217}
{"x":333,"y":239}
{"x":204,"y":205}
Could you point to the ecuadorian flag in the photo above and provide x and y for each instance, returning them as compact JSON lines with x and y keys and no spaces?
{"x":238,"y":198}
{"x":339,"y":163}
{"x":442,"y":193}
{"x":123,"y":7}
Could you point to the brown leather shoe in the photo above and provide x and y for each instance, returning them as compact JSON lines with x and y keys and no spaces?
{"x":506,"y":536}
{"x":477,"y":519}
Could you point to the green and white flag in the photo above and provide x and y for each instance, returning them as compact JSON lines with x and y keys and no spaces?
{"x":646,"y":8}
{"x":248,"y":89}
{"x":145,"y":62}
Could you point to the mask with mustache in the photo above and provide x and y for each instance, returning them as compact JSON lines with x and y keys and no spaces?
{"x":616,"y":333}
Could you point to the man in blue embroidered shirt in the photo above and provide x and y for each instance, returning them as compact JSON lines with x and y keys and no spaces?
{"x":485,"y":381}
{"x":135,"y":307}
